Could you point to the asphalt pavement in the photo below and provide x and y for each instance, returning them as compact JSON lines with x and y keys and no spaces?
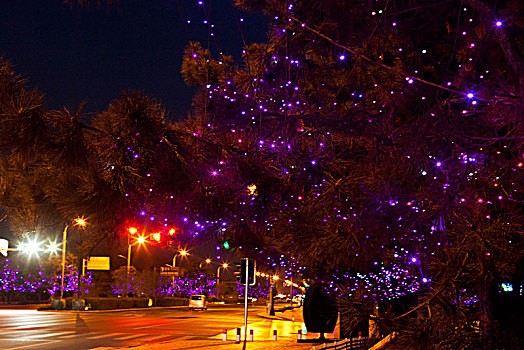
{"x":23,"y":327}
{"x":282,"y":341}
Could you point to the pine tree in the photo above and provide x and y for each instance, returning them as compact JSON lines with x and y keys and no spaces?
{"x":394,"y":130}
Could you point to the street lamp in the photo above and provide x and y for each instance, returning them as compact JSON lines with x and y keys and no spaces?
{"x":139,"y":240}
{"x":182,"y":252}
{"x":80,"y":222}
{"x":30,"y":247}
{"x":223,"y":266}
{"x":207,"y":261}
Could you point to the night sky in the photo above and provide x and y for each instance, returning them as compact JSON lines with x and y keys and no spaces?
{"x":95,"y":53}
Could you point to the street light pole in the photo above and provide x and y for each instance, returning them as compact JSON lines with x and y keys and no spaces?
{"x":64,"y":240}
{"x":78,"y":222}
{"x":182,"y":252}
{"x":218,"y":281}
{"x":128,"y":263}
{"x":225,"y":266}
{"x":173,"y":282}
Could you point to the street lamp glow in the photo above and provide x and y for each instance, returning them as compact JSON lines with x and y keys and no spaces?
{"x":80,"y":222}
{"x":31,"y":247}
{"x":222,"y":266}
{"x":208,"y":261}
{"x":21,"y":247}
{"x":53,"y":247}
{"x":132,"y":230}
{"x":141,"y":239}
{"x":183,"y":252}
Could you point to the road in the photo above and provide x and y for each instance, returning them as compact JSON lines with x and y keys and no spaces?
{"x":32,"y":329}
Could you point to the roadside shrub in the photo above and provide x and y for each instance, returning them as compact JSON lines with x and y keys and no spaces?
{"x":116,"y":303}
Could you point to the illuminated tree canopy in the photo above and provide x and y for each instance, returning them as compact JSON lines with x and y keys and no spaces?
{"x":376,"y":144}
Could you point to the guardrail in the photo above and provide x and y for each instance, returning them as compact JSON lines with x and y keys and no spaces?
{"x":346,"y":344}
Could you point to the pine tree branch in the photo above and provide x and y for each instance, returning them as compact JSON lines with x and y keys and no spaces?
{"x":508,"y":45}
{"x":435,"y":294}
{"x":382,"y":65}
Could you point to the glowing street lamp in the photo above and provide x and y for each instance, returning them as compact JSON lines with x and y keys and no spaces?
{"x":207,"y":261}
{"x":53,"y":247}
{"x":79,"y":222}
{"x":182,"y":252}
{"x":139,"y":240}
{"x":223,"y":266}
{"x":31,"y":247}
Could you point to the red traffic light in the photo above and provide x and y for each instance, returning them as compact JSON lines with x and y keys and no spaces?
{"x":156,"y":236}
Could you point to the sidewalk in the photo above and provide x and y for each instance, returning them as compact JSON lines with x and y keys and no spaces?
{"x":218,"y":344}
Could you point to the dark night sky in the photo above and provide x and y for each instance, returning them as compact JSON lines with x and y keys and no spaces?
{"x":95,"y":53}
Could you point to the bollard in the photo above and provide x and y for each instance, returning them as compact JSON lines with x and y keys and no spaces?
{"x":299,"y":334}
{"x":224,"y":334}
{"x":251,"y":335}
{"x":238,"y":336}
{"x":274,"y":335}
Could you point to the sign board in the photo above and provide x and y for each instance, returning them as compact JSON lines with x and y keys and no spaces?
{"x":4,"y":246}
{"x":98,"y":263}
{"x":169,"y":271}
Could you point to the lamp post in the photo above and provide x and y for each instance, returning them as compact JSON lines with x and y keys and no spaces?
{"x":182,"y":252}
{"x":223,"y":266}
{"x":132,"y":231}
{"x":139,"y":240}
{"x":207,"y":261}
{"x":81,"y":222}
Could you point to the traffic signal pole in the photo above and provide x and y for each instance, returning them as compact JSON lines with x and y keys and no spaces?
{"x":245,"y":301}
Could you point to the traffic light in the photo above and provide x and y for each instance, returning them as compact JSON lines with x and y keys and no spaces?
{"x":236,"y":271}
{"x":225,"y":245}
{"x":156,"y":236}
{"x":250,"y":270}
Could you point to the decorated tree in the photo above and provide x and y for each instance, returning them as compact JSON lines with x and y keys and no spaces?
{"x":380,"y":142}
{"x":374,"y":146}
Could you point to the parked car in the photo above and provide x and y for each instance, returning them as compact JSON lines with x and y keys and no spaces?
{"x":197,"y":301}
{"x":281,"y":298}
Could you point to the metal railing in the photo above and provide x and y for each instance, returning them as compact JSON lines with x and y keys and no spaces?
{"x":345,"y":344}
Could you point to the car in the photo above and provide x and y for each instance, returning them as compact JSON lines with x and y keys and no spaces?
{"x":281,"y":298}
{"x":197,"y":301}
{"x":297,"y":299}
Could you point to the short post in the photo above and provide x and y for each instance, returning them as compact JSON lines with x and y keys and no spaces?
{"x":299,"y":334}
{"x":224,"y":334}
{"x":238,"y":336}
{"x":274,"y":335}
{"x":251,"y":335}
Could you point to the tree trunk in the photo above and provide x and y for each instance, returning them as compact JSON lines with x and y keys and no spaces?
{"x":485,"y":308}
